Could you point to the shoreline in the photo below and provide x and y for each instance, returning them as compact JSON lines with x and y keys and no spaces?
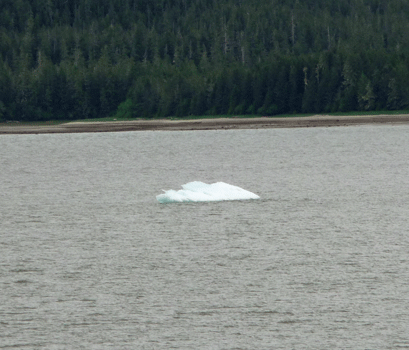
{"x":204,"y":124}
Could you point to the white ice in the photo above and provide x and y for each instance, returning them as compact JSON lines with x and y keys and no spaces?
{"x":197,"y":191}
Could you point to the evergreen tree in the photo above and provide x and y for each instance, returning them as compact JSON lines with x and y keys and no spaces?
{"x":366,"y":96}
{"x":201,"y":57}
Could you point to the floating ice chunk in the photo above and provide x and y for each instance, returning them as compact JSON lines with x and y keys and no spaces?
{"x":197,"y":191}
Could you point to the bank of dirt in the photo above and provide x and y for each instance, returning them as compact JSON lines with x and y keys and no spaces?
{"x":203,"y":124}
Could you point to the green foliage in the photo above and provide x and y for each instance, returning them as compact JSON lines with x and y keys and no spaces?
{"x":366,"y":96}
{"x":2,"y":111}
{"x":126,"y":110}
{"x":137,"y":58}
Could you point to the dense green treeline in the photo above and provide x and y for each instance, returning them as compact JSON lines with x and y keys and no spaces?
{"x":72,"y":59}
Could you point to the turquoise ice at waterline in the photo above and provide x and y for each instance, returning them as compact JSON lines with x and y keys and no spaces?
{"x":198,"y":191}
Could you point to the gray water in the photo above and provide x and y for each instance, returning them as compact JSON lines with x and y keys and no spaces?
{"x":90,"y":260}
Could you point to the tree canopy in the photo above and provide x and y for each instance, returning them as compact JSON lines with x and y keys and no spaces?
{"x":73,"y":59}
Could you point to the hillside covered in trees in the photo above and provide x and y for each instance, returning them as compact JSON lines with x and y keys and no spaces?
{"x":73,"y":59}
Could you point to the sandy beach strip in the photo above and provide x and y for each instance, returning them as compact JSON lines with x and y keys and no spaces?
{"x":204,"y":124}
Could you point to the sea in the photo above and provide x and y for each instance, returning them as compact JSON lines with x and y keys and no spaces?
{"x":89,"y":259}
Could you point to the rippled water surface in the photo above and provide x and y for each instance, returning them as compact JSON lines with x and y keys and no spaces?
{"x":90,"y":260}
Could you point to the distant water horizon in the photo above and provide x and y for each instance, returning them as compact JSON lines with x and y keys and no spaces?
{"x":90,"y":259}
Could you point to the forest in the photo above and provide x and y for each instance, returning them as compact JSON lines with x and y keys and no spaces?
{"x":78,"y":59}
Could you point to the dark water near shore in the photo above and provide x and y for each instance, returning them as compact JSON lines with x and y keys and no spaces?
{"x":90,"y":260}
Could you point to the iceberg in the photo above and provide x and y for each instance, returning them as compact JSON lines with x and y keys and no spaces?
{"x":198,"y":191}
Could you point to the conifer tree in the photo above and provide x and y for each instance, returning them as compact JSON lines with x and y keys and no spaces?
{"x":195,"y":57}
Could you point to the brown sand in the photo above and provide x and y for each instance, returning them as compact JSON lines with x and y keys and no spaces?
{"x":204,"y":124}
